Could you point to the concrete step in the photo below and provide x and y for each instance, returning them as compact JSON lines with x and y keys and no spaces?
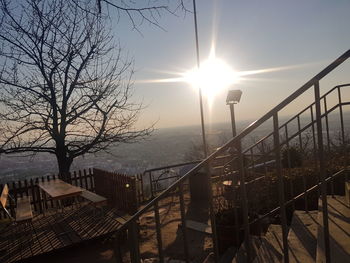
{"x":241,"y":255}
{"x":302,"y":241}
{"x":271,"y":246}
{"x":302,"y":237}
{"x":339,"y":230}
{"x":265,"y":248}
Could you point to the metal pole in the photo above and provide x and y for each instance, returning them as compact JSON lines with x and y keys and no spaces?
{"x":244,"y":202}
{"x":277,"y":146}
{"x":200,"y":91}
{"x":233,"y":120}
{"x":159,"y":233}
{"x":183,"y":222}
{"x":134,"y":242}
{"x":212,"y":215}
{"x":322,"y":168}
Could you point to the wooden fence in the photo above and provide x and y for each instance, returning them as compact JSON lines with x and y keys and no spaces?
{"x":119,"y":189}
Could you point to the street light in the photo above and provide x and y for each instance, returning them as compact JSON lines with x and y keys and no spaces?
{"x":233,"y":97}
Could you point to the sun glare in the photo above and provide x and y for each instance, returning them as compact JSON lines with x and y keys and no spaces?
{"x":213,"y":76}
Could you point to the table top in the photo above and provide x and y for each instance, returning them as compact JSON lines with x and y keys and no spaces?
{"x":58,"y":189}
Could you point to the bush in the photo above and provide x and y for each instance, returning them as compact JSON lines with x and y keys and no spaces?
{"x":295,"y":158}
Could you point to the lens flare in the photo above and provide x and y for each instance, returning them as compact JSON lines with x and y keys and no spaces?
{"x":213,"y":76}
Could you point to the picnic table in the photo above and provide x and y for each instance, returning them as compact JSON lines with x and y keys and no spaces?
{"x":57,"y":190}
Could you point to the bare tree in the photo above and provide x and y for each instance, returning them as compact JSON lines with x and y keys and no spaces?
{"x":138,"y":12}
{"x":65,"y":88}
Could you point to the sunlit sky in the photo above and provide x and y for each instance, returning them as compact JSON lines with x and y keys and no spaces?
{"x":296,"y":38}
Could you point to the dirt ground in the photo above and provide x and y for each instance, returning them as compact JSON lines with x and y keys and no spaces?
{"x":104,"y":251}
{"x":200,"y":244}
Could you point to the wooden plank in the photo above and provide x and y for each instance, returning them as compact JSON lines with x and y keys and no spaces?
{"x":85,"y":180}
{"x":55,"y":232}
{"x":4,"y":195}
{"x":80,"y":179}
{"x":92,"y":180}
{"x":95,"y":199}
{"x":24,"y":209}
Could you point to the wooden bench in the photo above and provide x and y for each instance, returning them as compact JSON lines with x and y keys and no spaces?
{"x":95,"y":199}
{"x":23,"y":208}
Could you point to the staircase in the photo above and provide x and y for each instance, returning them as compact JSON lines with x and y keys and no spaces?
{"x":266,"y":179}
{"x":305,"y":237}
{"x":339,"y":229}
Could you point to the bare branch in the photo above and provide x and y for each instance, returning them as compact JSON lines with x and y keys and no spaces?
{"x":65,"y":87}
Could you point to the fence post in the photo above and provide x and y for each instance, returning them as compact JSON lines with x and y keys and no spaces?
{"x":322,"y":172}
{"x":133,"y":188}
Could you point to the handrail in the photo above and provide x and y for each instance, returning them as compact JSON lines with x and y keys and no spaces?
{"x":176,"y":165}
{"x":307,"y":191}
{"x":298,"y":114}
{"x":323,"y":96}
{"x":243,"y":133}
{"x":171,"y":166}
{"x":291,"y":119}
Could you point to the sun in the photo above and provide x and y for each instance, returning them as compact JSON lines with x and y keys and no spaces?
{"x":213,"y":76}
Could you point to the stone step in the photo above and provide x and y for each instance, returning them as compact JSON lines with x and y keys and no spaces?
{"x":339,"y":230}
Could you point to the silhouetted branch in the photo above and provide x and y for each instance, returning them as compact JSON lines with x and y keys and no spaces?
{"x":65,"y":87}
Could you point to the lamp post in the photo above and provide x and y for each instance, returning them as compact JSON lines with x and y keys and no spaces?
{"x":233,"y":97}
{"x":200,"y":91}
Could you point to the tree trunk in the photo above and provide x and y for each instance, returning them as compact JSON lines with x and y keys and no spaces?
{"x":64,"y":164}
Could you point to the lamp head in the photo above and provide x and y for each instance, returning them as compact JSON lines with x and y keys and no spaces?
{"x":233,"y":96}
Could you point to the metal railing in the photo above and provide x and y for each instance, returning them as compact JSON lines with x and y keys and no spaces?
{"x":156,"y":180}
{"x":276,"y":144}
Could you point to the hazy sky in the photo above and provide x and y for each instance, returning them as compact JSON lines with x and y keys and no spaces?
{"x":300,"y":36}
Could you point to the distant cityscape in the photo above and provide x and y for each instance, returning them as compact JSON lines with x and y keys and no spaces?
{"x":165,"y":146}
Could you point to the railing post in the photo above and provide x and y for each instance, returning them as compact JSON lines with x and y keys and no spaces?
{"x":303,"y":177}
{"x":133,"y":237}
{"x":341,"y":116}
{"x":212,"y":214}
{"x":151,"y":184}
{"x":183,"y":223}
{"x":277,"y":148}
{"x":159,"y":233}
{"x":322,"y":171}
{"x":244,"y":201}
{"x":289,"y":166}
{"x":327,"y":123}
{"x":342,"y":127}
